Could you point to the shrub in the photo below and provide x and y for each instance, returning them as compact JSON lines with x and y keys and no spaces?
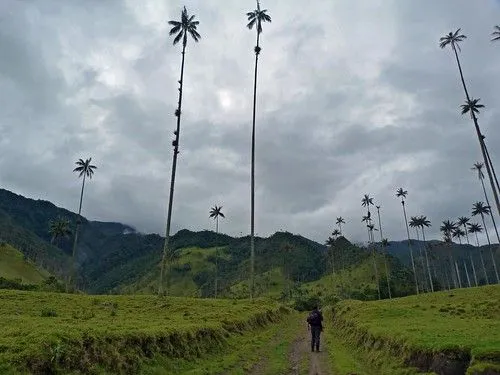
{"x":47,"y":313}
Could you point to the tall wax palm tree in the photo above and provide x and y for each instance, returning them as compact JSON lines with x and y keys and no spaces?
{"x":59,"y":229}
{"x":423,"y":222}
{"x":415,"y":224}
{"x":336,"y":233}
{"x":447,"y":228}
{"x":182,"y":29}
{"x":400,"y":193}
{"x":214,"y":213}
{"x":479,"y":208}
{"x":330,"y":243}
{"x":256,"y":18}
{"x":339,"y":222}
{"x":383,"y":246}
{"x":371,"y":228}
{"x":84,"y":169}
{"x":459,"y":233}
{"x":478,"y":166}
{"x":477,"y":228}
{"x":496,"y":33}
{"x":463,"y":221}
{"x":453,"y":39}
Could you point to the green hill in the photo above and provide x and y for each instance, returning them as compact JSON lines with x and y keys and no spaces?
{"x":449,"y":332}
{"x":14,"y":266}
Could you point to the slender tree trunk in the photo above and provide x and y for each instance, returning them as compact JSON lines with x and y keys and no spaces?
{"x":216,"y":255}
{"x":492,"y":168}
{"x":467,"y":274}
{"x":252,"y":187}
{"x":409,"y":247}
{"x":431,"y":283}
{"x":375,"y":267}
{"x":458,"y":275}
{"x":473,"y":269}
{"x":384,"y":254}
{"x":166,"y":248}
{"x":489,"y":246}
{"x":425,"y":287}
{"x":479,"y":135}
{"x":72,"y":278}
{"x":491,"y":213}
{"x":340,"y":228}
{"x":466,"y":234}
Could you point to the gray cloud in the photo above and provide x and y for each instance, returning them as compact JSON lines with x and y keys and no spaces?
{"x":354,"y":97}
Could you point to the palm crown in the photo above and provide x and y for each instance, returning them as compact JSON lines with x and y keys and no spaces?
{"x":447,"y":227}
{"x":478,"y":166}
{"x":496,"y":33}
{"x":59,"y":228}
{"x":185,"y":26}
{"x":452,"y":39}
{"x":367,"y":201}
{"x":457,"y":232}
{"x":475,"y":228}
{"x":257,"y":17}
{"x":216,"y":211}
{"x":84,"y":168}
{"x":336,"y":233}
{"x":414,"y":223}
{"x":471,"y":105}
{"x":423,"y":221}
{"x":340,"y":220}
{"x":479,"y":208}
{"x":400,"y":193}
{"x":462,"y":220}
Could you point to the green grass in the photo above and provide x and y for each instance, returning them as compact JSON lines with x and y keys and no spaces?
{"x":14,"y":267}
{"x":59,"y":332}
{"x":355,"y":277}
{"x":461,"y":321}
{"x":264,"y":348}
{"x":191,"y":262}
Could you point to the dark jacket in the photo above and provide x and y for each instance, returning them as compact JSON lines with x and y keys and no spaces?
{"x":318,"y":322}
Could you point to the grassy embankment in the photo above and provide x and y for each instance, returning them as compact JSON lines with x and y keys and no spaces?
{"x":456,"y":331}
{"x":13,"y":266}
{"x":49,"y":332}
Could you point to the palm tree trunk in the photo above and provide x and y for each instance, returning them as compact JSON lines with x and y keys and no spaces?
{"x":467,"y":274}
{"x":340,"y":228}
{"x":252,"y":187}
{"x":72,"y":278}
{"x":425,"y":287}
{"x":491,"y":165}
{"x":431,"y":283}
{"x":409,"y":247}
{"x":166,"y":244}
{"x":384,"y":254}
{"x":466,"y":234}
{"x":491,"y":213}
{"x":216,"y":255}
{"x":473,"y":269}
{"x":458,"y":275}
{"x":489,"y":246}
{"x":479,"y":135}
{"x":375,"y":266}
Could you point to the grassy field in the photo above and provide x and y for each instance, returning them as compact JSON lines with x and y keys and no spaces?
{"x":44,"y":332}
{"x":464,"y":324}
{"x":14,"y":267}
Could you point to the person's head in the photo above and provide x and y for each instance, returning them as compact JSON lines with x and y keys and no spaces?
{"x":315,"y":307}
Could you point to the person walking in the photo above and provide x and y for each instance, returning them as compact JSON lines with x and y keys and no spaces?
{"x":315,"y":321}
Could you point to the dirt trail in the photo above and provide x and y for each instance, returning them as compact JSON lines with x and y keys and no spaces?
{"x":303,"y":361}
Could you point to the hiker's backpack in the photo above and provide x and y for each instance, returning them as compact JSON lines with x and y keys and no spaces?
{"x":314,"y":318}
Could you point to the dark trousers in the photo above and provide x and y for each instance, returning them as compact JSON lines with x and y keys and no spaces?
{"x":315,"y":333}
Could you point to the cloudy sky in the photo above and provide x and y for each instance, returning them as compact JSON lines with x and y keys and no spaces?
{"x":355,"y":97}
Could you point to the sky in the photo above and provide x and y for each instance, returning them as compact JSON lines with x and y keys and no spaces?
{"x":354,"y":97}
